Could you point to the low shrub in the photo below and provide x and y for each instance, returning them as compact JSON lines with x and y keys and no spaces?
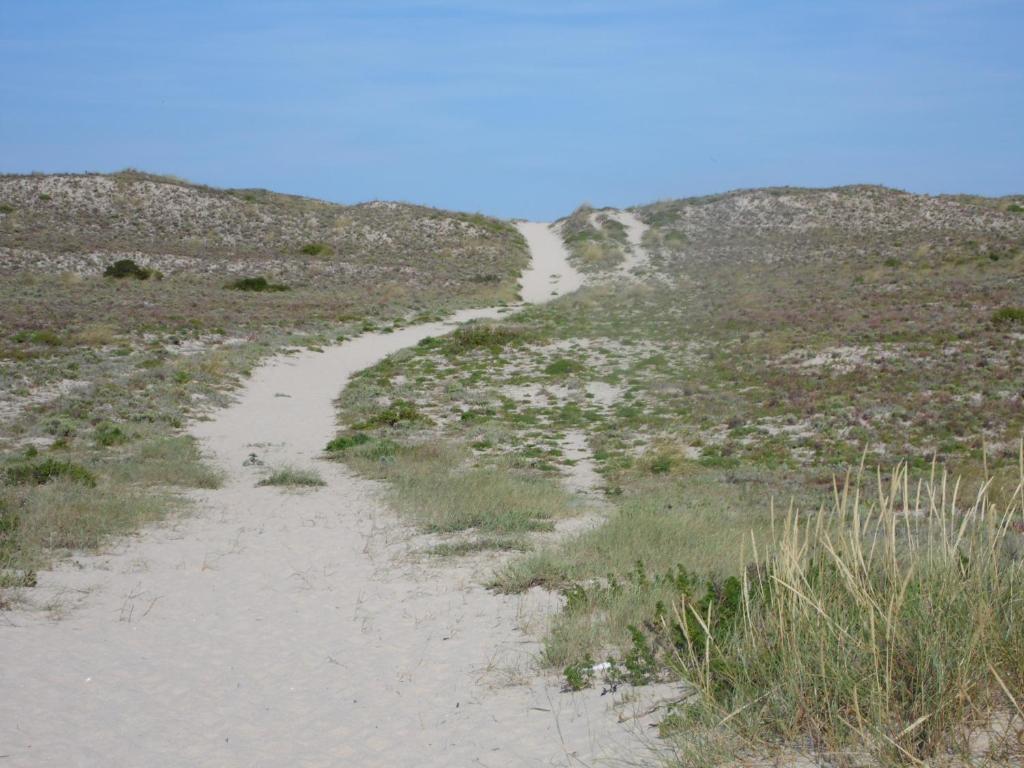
{"x":474,"y":336}
{"x":1007,"y":316}
{"x":107,"y":434}
{"x":344,"y":442}
{"x":45,"y":337}
{"x":398,"y":413}
{"x":123,"y":268}
{"x":42,"y":472}
{"x":256,"y":284}
{"x":317,"y":249}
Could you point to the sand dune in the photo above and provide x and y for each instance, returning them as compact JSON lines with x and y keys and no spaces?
{"x":279,"y":628}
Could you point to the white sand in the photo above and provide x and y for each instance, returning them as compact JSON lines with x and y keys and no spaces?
{"x":550,"y":273}
{"x":292,"y":629}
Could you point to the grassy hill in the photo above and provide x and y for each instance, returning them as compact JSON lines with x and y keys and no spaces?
{"x":338,"y":260}
{"x":775,"y":341}
{"x":98,"y":373}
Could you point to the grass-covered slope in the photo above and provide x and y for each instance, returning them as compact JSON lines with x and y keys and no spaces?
{"x":130,"y":302}
{"x":338,"y":260}
{"x":779,"y":339}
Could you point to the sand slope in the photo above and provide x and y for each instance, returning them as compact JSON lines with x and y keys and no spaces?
{"x":276,"y":628}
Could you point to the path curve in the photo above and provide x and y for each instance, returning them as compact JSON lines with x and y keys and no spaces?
{"x":283,"y":629}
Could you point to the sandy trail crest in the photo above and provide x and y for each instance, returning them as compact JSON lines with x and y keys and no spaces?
{"x":276,"y":628}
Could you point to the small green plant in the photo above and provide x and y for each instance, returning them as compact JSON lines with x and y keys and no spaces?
{"x":398,"y":413}
{"x":256,"y":284}
{"x":5,"y":208}
{"x":344,"y":442}
{"x":123,"y":268}
{"x":1015,"y":208}
{"x":1008,"y":316}
{"x":640,"y":663}
{"x":45,"y":337}
{"x":294,"y":477}
{"x":108,"y":434}
{"x":563,"y":367}
{"x":474,"y":336}
{"x":317,"y":249}
{"x":579,"y":675}
{"x":44,"y":471}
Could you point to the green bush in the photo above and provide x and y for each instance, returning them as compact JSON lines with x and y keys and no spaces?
{"x":317,"y":249}
{"x":398,"y":413}
{"x":256,"y":284}
{"x":467,"y":338}
{"x":47,"y":337}
{"x":1008,"y":316}
{"x":42,"y":472}
{"x":344,"y":442}
{"x":108,"y":434}
{"x":127,"y":268}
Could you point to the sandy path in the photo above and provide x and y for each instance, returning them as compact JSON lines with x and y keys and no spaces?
{"x":276,"y":628}
{"x":550,"y":273}
{"x":636,"y":254}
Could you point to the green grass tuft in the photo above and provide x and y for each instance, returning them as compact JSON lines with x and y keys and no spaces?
{"x":293,"y":477}
{"x":1008,"y":316}
{"x":44,"y":471}
{"x":256,"y":285}
{"x":344,"y":442}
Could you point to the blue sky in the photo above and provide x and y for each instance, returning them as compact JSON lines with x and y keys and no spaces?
{"x":519,"y":107}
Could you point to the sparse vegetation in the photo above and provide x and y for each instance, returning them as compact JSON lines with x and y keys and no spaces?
{"x":344,"y":442}
{"x":398,"y":413}
{"x":127,"y":268}
{"x":479,"y":544}
{"x":791,"y":334}
{"x":724,"y":385}
{"x":1008,"y":316}
{"x":103,"y":373}
{"x":256,"y":284}
{"x":300,"y":477}
{"x":42,"y":472}
{"x":431,"y":485}
{"x":317,"y":249}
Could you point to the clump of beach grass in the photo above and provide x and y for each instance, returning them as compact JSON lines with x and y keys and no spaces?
{"x":295,"y":477}
{"x":891,"y":630}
